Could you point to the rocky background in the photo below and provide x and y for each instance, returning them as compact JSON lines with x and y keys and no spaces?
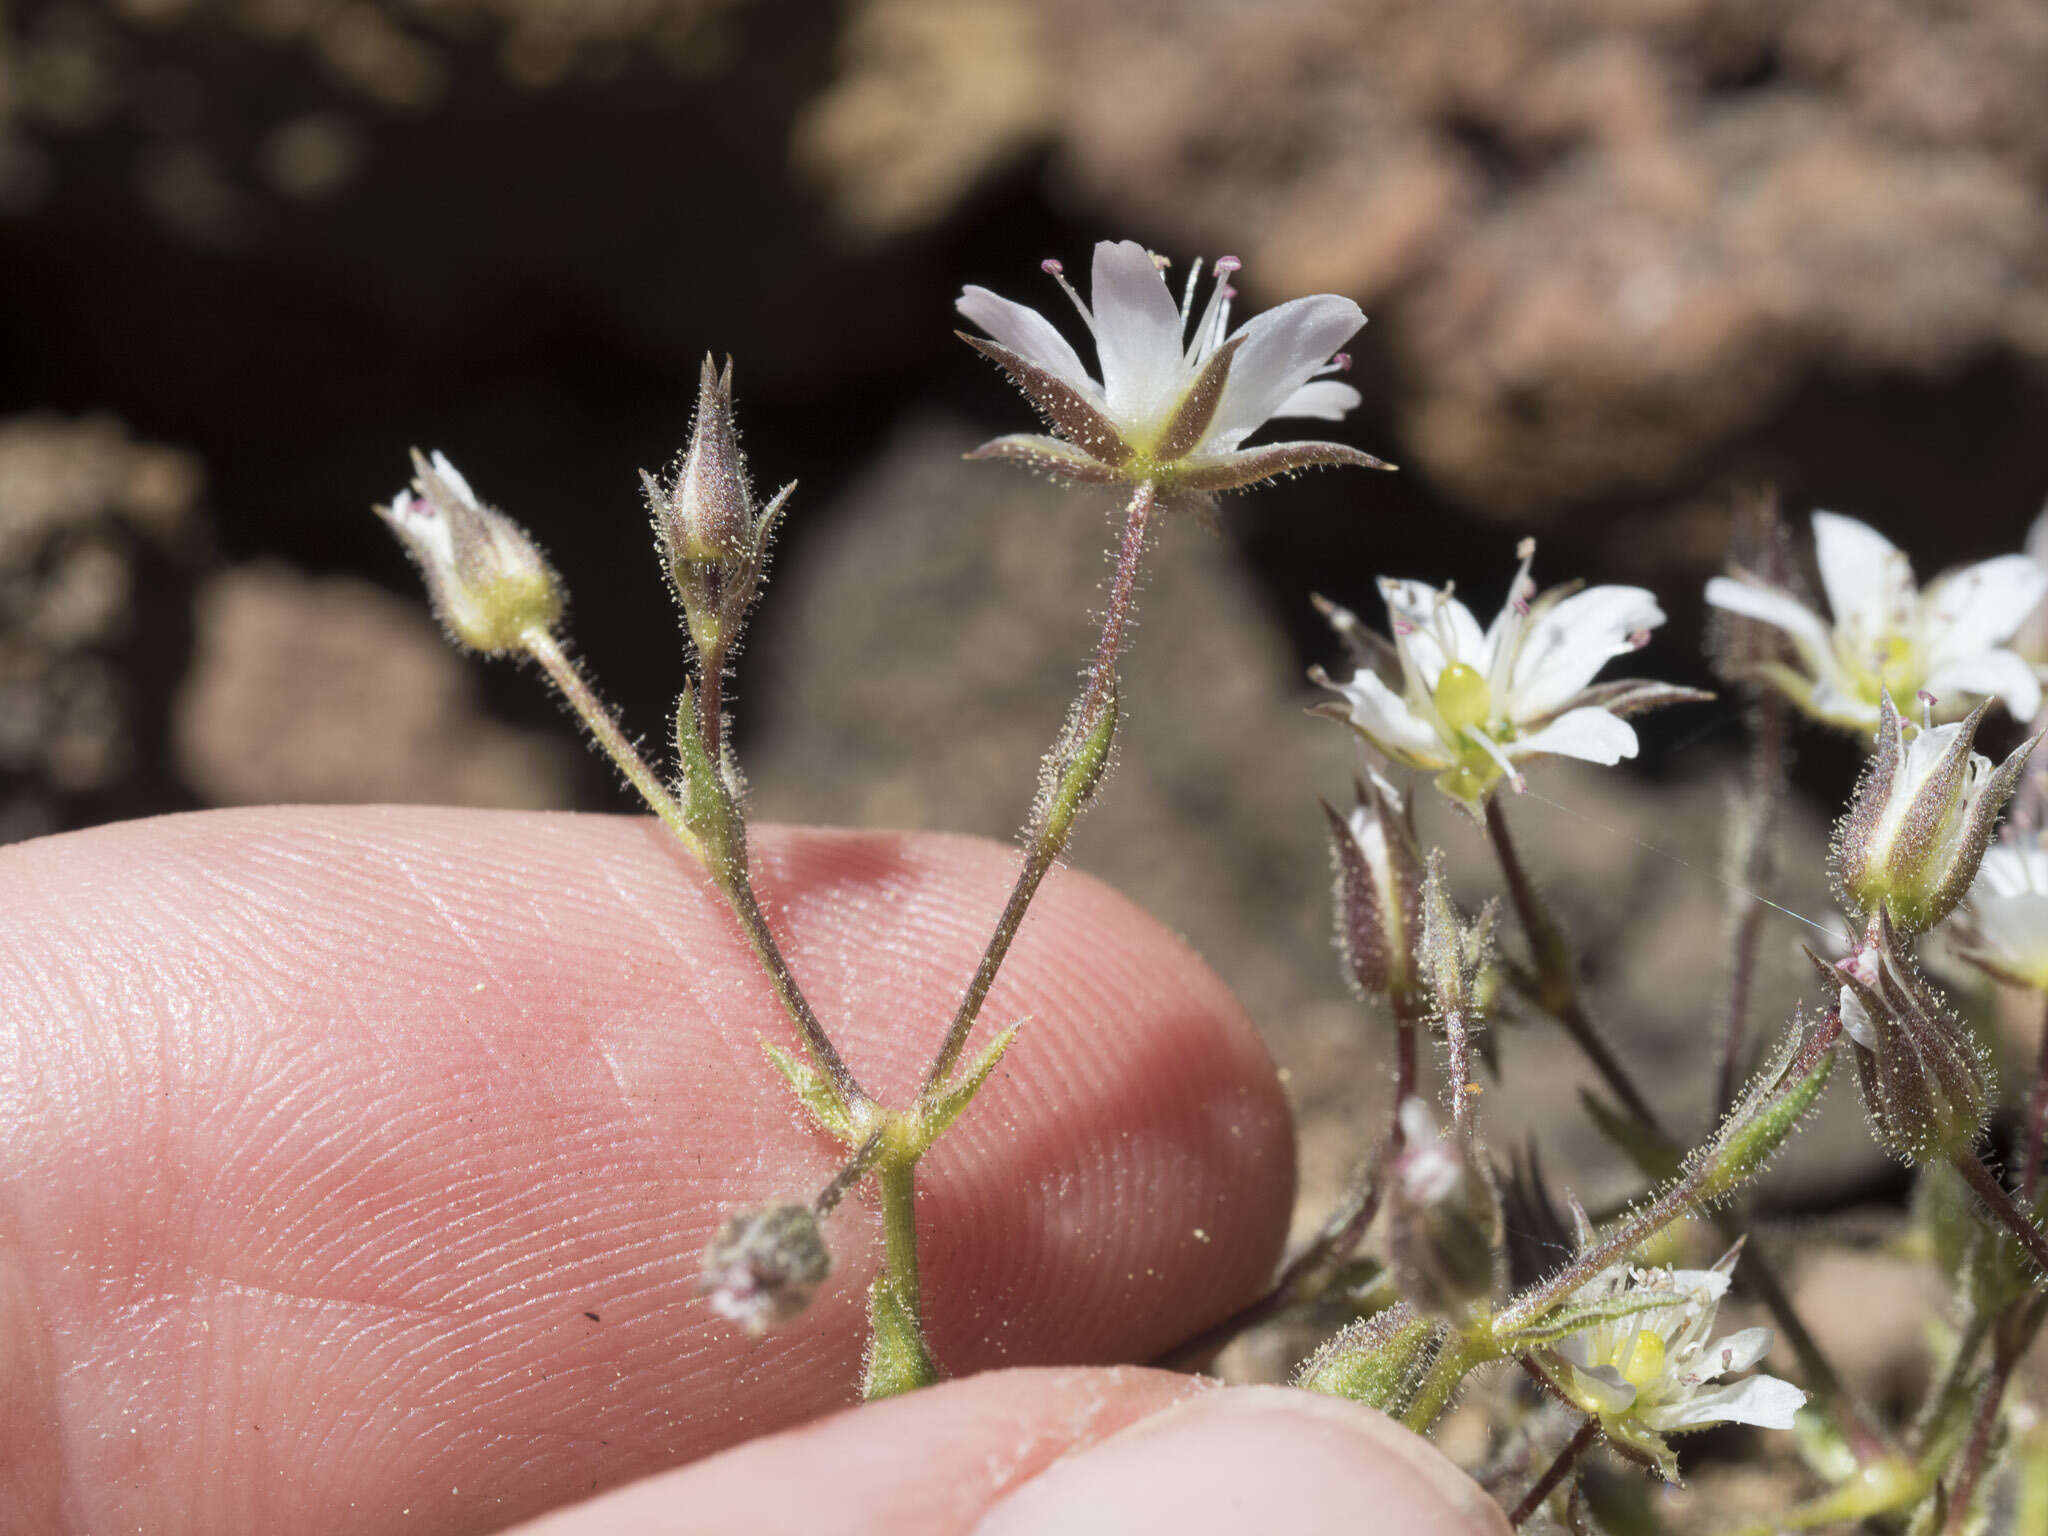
{"x":1623,"y":261}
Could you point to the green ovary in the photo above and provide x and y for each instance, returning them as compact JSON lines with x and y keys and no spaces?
{"x":1462,"y":698}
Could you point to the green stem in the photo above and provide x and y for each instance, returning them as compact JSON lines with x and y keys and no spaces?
{"x":1456,"y":1360}
{"x":1766,"y":785}
{"x":863,"y":1158}
{"x":898,"y":1357}
{"x":604,"y":730}
{"x":1558,"y":986}
{"x":730,"y":873}
{"x":2037,"y":1122}
{"x":1053,"y":821}
{"x":1983,"y":1424}
{"x":2000,"y":1204}
{"x":1567,"y":1458}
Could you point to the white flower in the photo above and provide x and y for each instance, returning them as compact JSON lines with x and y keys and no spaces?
{"x":1179,"y":392}
{"x":1888,"y":635}
{"x":1473,"y":703}
{"x":2003,"y":927}
{"x":1653,"y":1372}
{"x":490,"y":585}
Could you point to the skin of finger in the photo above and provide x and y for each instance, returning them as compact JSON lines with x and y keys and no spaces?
{"x":1072,"y":1452}
{"x":932,"y":1462}
{"x":354,"y":1164}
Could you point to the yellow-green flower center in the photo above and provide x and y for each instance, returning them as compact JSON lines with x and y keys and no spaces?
{"x":1645,"y":1359}
{"x":1462,"y":698}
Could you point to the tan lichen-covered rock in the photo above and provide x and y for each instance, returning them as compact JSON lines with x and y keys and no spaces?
{"x":329,"y":689}
{"x":1598,"y":239}
{"x":87,"y":514}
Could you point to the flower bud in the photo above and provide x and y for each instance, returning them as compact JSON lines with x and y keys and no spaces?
{"x":764,"y":1266}
{"x":1378,"y":1361}
{"x":1444,"y":1221}
{"x":1926,"y":1085}
{"x":1379,"y":889}
{"x":489,"y":584}
{"x":1454,"y":956}
{"x":712,"y":536}
{"x":1921,"y":818}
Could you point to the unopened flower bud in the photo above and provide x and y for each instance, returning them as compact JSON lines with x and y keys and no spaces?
{"x":764,"y":1266}
{"x":489,"y":583}
{"x":1378,"y":1361}
{"x":713,"y":537}
{"x":1453,"y":957}
{"x":1444,"y":1220}
{"x":1926,"y":1085}
{"x":1921,"y":819}
{"x":1379,"y":890}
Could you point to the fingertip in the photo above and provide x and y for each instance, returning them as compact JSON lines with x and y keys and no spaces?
{"x":1252,"y":1458}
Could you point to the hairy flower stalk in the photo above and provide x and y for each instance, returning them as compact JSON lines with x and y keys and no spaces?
{"x":1472,"y":704}
{"x":1887,"y":636}
{"x":1444,"y":1220}
{"x":1180,"y":391}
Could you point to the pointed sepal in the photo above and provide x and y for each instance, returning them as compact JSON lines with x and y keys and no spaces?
{"x":1076,"y":418}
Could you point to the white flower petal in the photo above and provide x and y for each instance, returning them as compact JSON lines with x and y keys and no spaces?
{"x":1281,"y":349}
{"x":1764,"y":1401}
{"x":1137,"y":335}
{"x":1989,"y":675}
{"x":1572,"y":641}
{"x":1028,"y":334}
{"x":1435,"y":621}
{"x":1388,"y":722}
{"x":454,"y":477}
{"x":1737,"y":1351}
{"x":1971,"y":610}
{"x":1857,"y":1023}
{"x":1768,"y":605}
{"x":2013,"y":930}
{"x":1324,"y":399}
{"x":1592,"y":734}
{"x":1866,"y":577}
{"x":2010,"y":870}
{"x":1708,"y":1284}
{"x":1602,"y":1389}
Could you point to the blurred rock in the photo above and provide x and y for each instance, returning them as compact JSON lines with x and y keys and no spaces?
{"x":932,"y":95}
{"x":1602,"y":239}
{"x":332,"y":690}
{"x":98,"y":534}
{"x":1868,"y":1312}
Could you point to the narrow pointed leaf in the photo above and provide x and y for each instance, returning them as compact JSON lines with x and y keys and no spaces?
{"x":812,"y":1091}
{"x":946,"y":1105}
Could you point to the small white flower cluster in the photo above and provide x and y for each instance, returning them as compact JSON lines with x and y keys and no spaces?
{"x":1473,"y":703}
{"x":1888,"y":636}
{"x":1655,"y":1372}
